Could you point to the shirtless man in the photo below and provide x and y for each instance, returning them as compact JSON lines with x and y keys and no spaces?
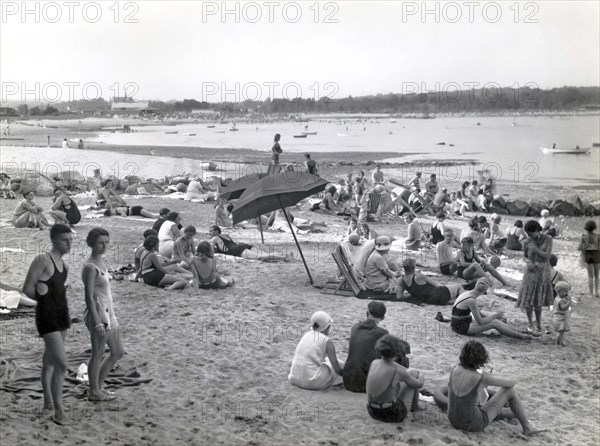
{"x":45,"y":283}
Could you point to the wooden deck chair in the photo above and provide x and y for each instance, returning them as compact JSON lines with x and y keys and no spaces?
{"x":373,"y":199}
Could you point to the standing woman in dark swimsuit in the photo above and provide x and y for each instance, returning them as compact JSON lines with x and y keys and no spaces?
{"x":99,"y":316}
{"x":64,"y":209}
{"x":45,"y":283}
{"x":276,"y":149}
{"x":468,"y":406}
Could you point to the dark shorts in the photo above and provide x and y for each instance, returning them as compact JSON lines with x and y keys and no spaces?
{"x":591,"y":257}
{"x":393,"y":414}
{"x":445,"y":269}
{"x":153,"y":278}
{"x":135,"y":210}
{"x":460,"y":326}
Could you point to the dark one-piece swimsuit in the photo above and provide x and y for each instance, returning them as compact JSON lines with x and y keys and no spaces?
{"x":52,"y":310}
{"x":428,"y":293}
{"x":461,"y":319}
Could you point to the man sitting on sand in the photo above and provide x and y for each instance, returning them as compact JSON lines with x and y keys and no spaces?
{"x":223,"y":244}
{"x":363,"y":337}
{"x":445,"y":253}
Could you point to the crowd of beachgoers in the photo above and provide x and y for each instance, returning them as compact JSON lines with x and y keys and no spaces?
{"x":171,"y":257}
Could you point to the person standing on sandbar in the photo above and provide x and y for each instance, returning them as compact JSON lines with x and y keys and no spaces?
{"x":45,"y":283}
{"x":276,"y":149}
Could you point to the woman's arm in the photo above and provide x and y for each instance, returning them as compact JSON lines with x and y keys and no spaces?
{"x":58,"y":203}
{"x":330,"y":350}
{"x":156,"y":263}
{"x":427,"y":280}
{"x":491,"y":380}
{"x":410,"y":380}
{"x":88,"y":275}
{"x":547,"y":251}
{"x":196,"y":276}
{"x":30,"y":207}
{"x":472,"y":304}
{"x":400,"y":289}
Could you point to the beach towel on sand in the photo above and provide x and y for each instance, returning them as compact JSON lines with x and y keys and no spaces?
{"x":20,"y":377}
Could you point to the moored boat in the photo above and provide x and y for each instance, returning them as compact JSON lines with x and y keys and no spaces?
{"x":576,"y":151}
{"x":300,"y":136}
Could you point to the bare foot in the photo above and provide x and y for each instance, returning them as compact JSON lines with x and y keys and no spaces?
{"x":529,"y":432}
{"x":108,"y":393}
{"x":61,"y":419}
{"x":101,"y":397}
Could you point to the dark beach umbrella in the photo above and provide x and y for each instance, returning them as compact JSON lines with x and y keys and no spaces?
{"x":237,"y":187}
{"x":278,"y":191}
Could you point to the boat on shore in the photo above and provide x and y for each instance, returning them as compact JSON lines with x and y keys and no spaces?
{"x":557,"y":151}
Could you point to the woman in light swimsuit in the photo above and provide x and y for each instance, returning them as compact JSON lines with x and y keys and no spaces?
{"x":99,"y":316}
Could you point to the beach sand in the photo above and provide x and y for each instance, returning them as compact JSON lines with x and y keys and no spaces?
{"x":219,"y":360}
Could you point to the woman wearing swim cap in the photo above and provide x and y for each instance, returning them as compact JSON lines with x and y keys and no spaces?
{"x":378,"y":274}
{"x":465,"y":309}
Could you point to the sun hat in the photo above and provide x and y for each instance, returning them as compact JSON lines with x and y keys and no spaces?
{"x":545,"y":213}
{"x":382,"y":243}
{"x":320,"y":321}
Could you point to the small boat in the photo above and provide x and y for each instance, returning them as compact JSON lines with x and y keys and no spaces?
{"x":576,"y":151}
{"x":191,"y":134}
{"x":210,"y":126}
{"x":233,"y":129}
{"x":441,"y":143}
{"x":309,"y":133}
{"x":392,"y":121}
{"x":220,"y":131}
{"x":300,"y":136}
{"x":172,"y":132}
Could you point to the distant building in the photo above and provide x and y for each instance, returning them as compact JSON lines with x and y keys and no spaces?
{"x":8,"y":112}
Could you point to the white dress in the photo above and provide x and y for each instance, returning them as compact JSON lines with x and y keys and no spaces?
{"x":166,"y":239}
{"x":311,"y":368}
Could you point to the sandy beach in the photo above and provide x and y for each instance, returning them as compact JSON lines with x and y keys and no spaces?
{"x":218,"y":360}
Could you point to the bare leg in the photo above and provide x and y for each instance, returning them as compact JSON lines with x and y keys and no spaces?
{"x":538,"y":317}
{"x":494,"y":405}
{"x":55,"y":346}
{"x":177,"y":269}
{"x":410,"y":395}
{"x":503,"y":328}
{"x":113,"y":339}
{"x":27,"y":302}
{"x":473,"y":271}
{"x":490,"y":269}
{"x":455,"y":289}
{"x":529,"y":312}
{"x":560,"y":338}
{"x":172,"y":283}
{"x":148,"y":214}
{"x":98,"y":343}
{"x":47,"y":371}
{"x":596,"y":277}
{"x":59,"y":217}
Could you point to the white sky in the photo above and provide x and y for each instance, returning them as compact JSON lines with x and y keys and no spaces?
{"x":175,"y":51}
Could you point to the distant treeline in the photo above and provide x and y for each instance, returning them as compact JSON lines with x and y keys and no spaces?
{"x":483,"y":100}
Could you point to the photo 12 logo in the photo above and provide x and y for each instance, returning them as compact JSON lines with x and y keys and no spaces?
{"x":469,"y":12}
{"x":257,"y":92}
{"x":55,"y":92}
{"x":270,"y":12}
{"x":69,"y":12}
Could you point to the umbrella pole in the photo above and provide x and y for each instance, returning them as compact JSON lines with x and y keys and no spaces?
{"x":296,"y":240}
{"x":262,"y":237}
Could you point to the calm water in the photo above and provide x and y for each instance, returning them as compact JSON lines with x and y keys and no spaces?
{"x":511,"y":150}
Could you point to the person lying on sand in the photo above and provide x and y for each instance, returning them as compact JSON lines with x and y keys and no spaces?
{"x":424,"y":289}
{"x":131,"y":211}
{"x":152,"y":271}
{"x":223,"y":244}
{"x":391,"y":387}
{"x":108,"y":197}
{"x":465,"y":309}
{"x":468,"y":406}
{"x":64,"y":210}
{"x":23,"y":299}
{"x":204,"y":268}
{"x":315,"y":365}
{"x":278,"y":222}
{"x":28,"y":214}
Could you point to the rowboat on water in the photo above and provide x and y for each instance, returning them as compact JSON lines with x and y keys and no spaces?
{"x":172,"y":133}
{"x":576,"y":151}
{"x":300,"y":136}
{"x":309,"y":133}
{"x":210,"y":126}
